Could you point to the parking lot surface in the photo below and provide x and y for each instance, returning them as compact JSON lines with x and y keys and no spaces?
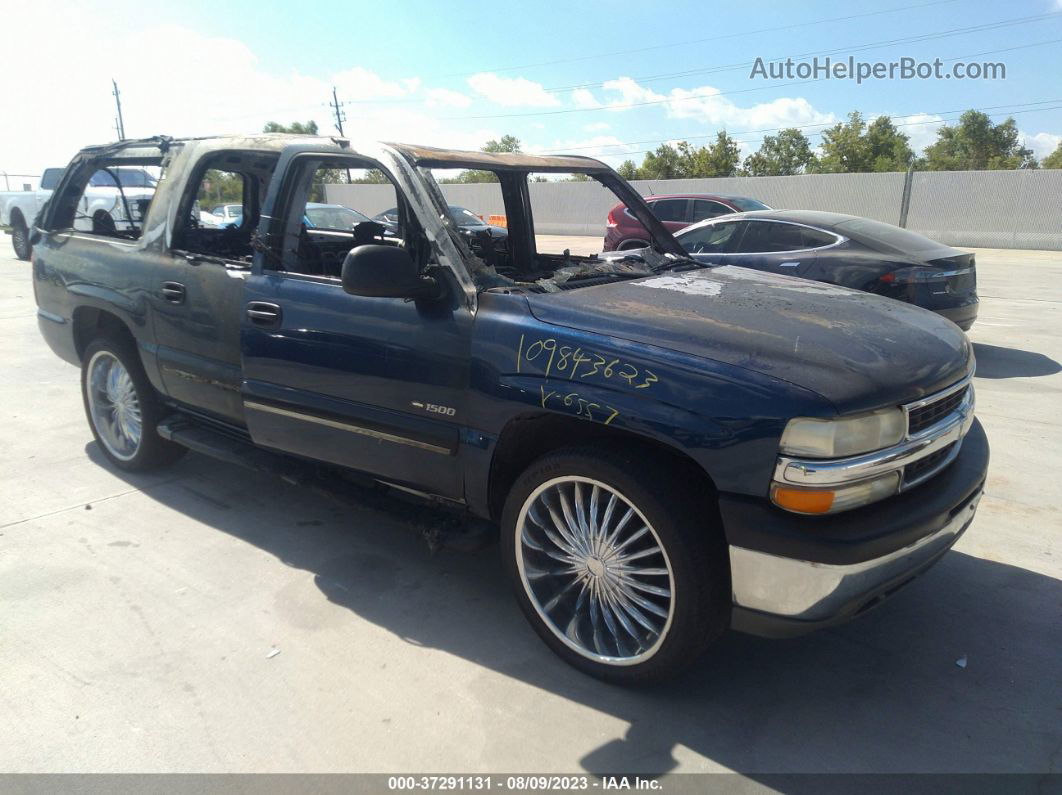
{"x":139,"y":615}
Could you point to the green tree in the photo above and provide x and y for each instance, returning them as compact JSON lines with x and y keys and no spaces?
{"x":976,"y":144}
{"x":507,"y":143}
{"x":784,"y":154}
{"x":628,"y":170}
{"x":888,"y":149}
{"x":1053,"y":160}
{"x":844,"y":148}
{"x":853,"y":146}
{"x":720,"y":159}
{"x":665,"y":162}
{"x":296,"y":127}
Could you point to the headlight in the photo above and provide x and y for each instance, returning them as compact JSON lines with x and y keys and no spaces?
{"x":844,"y":436}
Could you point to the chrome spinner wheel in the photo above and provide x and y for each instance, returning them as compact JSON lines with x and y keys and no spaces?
{"x":114,"y":405}
{"x":595,"y":570}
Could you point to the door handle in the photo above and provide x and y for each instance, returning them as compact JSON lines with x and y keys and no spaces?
{"x":790,"y":264}
{"x":173,"y":292}
{"x":263,"y":314}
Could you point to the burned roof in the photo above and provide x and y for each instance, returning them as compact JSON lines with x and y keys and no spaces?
{"x":431,"y":156}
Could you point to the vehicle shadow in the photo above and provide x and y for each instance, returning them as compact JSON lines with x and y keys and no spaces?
{"x":882,"y":694}
{"x":994,"y":361}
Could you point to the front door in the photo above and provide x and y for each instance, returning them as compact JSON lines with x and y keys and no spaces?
{"x":374,"y":384}
{"x":776,"y":247}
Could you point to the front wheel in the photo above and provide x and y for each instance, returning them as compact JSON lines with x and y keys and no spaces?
{"x":20,"y":239}
{"x":625,"y":577}
{"x":122,"y":408}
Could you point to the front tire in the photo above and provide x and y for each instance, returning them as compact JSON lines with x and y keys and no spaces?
{"x":625,"y":577}
{"x":20,"y":239}
{"x":123,"y":409}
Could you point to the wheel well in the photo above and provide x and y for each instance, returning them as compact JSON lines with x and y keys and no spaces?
{"x":529,"y":437}
{"x":628,"y":245}
{"x":90,"y":323}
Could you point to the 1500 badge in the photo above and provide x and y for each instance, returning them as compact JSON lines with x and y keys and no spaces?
{"x":434,"y":408}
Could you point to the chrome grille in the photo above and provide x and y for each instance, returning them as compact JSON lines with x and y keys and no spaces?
{"x":924,"y":467}
{"x":930,"y":414}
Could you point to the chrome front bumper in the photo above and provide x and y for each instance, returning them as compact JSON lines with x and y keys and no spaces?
{"x":817,"y":593}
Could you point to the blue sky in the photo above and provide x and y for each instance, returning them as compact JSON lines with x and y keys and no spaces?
{"x":455,"y":74}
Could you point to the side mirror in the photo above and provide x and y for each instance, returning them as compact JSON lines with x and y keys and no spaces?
{"x":376,"y":271}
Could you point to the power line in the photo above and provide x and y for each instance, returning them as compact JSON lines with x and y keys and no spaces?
{"x":918,"y":38}
{"x":629,"y":51}
{"x":957,"y":31}
{"x":847,"y":50}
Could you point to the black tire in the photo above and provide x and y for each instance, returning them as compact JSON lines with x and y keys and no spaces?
{"x":20,"y":238}
{"x":631,"y":245}
{"x":685,"y":522}
{"x":151,"y":451}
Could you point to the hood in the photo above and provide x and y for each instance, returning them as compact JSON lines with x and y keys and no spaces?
{"x":857,"y":350}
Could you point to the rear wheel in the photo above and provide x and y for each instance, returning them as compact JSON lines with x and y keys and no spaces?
{"x":630,"y":245}
{"x":624,"y":577}
{"x":123,"y":409}
{"x":20,"y":238}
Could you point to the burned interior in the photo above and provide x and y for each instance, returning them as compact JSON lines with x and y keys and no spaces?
{"x":521,"y":262}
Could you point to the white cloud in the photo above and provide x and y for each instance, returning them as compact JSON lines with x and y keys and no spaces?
{"x":608,"y":148}
{"x":359,"y":83}
{"x":445,"y":98}
{"x":511,"y":91}
{"x":231,"y":91}
{"x":920,"y":129}
{"x":1042,"y":143}
{"x":584,"y":99}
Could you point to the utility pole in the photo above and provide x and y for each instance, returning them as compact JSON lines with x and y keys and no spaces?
{"x":337,"y":108}
{"x":119,"y":123}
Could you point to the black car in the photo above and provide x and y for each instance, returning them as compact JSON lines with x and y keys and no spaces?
{"x":845,"y":250}
{"x":474,"y":228}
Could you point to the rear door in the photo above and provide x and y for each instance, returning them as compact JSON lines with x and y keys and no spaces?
{"x":374,"y":384}
{"x":703,"y":209}
{"x":199,"y":286}
{"x":673,"y":212}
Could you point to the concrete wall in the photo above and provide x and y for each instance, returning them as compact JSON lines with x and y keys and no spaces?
{"x":995,"y":209}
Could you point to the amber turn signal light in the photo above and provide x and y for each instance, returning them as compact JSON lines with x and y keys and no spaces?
{"x":802,"y":500}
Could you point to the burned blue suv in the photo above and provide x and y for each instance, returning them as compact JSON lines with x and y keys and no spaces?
{"x":669,"y":448}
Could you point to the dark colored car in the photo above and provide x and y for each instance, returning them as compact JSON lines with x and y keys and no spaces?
{"x":468,"y":223}
{"x":332,"y":216}
{"x":675,"y":211}
{"x":668,"y":448}
{"x":845,"y":250}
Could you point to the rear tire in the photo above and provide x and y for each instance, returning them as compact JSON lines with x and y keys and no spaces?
{"x":123,"y":408}
{"x":20,"y":239}
{"x":630,"y":601}
{"x":631,"y":245}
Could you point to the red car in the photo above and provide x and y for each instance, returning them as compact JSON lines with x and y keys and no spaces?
{"x":677,"y":211}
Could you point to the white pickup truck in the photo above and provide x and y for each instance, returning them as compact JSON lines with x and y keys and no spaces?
{"x":18,"y":210}
{"x":115,"y":195}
